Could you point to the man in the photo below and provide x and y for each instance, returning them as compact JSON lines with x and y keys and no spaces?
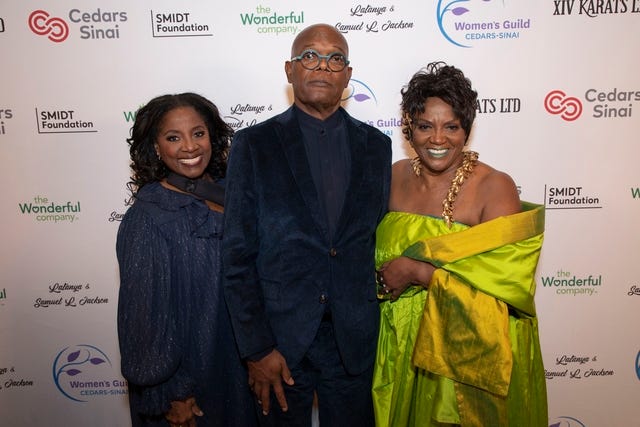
{"x":305,"y":191}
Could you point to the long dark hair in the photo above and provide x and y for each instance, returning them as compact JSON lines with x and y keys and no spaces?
{"x":446,"y":82}
{"x":145,"y":164}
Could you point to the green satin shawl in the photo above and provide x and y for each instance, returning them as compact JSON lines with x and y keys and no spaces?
{"x":477,"y":336}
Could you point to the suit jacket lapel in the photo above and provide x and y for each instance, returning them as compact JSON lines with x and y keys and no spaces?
{"x":296,"y":154}
{"x":357,"y":140}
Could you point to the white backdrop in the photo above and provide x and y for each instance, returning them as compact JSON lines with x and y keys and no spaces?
{"x":559,"y":110}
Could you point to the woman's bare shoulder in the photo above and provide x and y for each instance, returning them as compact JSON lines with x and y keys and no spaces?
{"x":497,"y":191}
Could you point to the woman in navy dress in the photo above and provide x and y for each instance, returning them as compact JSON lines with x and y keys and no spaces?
{"x":177,"y":348}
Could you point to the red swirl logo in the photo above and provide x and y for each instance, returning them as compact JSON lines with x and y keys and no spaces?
{"x":568,"y":107}
{"x":41,"y":23}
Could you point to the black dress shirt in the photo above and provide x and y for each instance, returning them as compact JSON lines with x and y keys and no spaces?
{"x":328,"y":153}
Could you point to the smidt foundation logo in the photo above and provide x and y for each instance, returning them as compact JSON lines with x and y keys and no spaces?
{"x":478,"y":21}
{"x":600,"y":103}
{"x":564,"y":421}
{"x":178,"y":24}
{"x":84,"y":372}
{"x":62,"y":121}
{"x":570,"y":197}
{"x":265,"y":20}
{"x":91,"y":24}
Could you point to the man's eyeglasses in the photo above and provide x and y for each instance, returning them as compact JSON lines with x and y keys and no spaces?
{"x":310,"y":59}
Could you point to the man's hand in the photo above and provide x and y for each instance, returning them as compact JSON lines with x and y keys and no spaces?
{"x":269,"y":372}
{"x":398,"y":274}
{"x":183,"y":413}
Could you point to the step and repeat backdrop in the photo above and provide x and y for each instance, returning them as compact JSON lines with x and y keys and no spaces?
{"x":558,"y":109}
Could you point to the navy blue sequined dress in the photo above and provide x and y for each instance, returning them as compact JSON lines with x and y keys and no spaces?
{"x":173,"y":326}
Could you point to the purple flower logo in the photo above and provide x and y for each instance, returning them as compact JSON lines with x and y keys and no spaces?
{"x":446,"y":6}
{"x":72,"y":365}
{"x":566,"y":422}
{"x":359,"y":92}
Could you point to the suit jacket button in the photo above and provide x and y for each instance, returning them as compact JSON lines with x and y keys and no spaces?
{"x":323,"y":299}
{"x":333,"y":252}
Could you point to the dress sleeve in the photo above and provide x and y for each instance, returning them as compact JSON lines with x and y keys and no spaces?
{"x":150,"y":341}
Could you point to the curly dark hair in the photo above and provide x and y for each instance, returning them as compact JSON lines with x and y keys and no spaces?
{"x":446,"y":82}
{"x":145,"y":164}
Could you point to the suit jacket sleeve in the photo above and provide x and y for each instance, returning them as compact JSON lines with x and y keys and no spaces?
{"x":242,"y":288}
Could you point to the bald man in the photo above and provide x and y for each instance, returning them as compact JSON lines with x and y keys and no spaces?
{"x":305,"y":192}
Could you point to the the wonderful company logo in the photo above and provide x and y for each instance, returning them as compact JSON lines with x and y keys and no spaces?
{"x":266,"y":20}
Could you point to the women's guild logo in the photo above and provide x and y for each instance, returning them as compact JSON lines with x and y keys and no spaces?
{"x":83,"y":372}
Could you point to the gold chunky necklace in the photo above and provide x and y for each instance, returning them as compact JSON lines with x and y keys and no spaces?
{"x":469,"y":161}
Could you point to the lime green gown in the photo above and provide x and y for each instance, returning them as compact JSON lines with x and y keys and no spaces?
{"x":465,"y":352}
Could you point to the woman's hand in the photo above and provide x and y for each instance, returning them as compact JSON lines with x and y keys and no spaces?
{"x":398,"y":274}
{"x":183,"y":413}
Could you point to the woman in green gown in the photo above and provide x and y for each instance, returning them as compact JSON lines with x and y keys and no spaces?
{"x":456,"y":258}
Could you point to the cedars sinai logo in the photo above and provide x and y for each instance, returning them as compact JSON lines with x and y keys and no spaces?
{"x":608,"y":103}
{"x":43,"y":24}
{"x":83,"y":372}
{"x":90,"y":24}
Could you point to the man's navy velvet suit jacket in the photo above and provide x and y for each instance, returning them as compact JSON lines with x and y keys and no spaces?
{"x":280,"y":267}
